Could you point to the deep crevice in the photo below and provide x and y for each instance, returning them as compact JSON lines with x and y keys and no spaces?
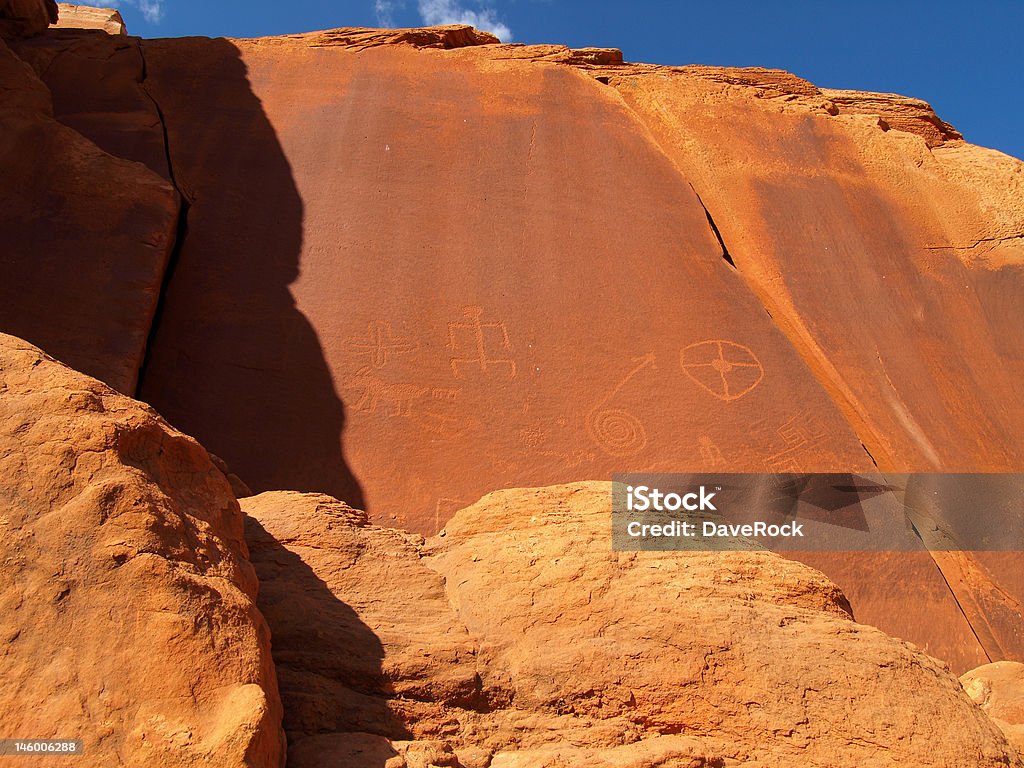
{"x":714,"y":228}
{"x":181,"y":231}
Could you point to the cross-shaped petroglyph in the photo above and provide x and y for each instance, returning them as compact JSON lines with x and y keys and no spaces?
{"x":469,"y":340}
{"x":724,"y":369}
{"x":379,"y":344}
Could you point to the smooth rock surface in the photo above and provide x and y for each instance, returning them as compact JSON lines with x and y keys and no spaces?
{"x":510,"y":642}
{"x":441,"y":254}
{"x":127,"y":615}
{"x":999,"y":690}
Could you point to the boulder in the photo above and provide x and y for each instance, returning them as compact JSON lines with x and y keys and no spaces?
{"x":127,"y":614}
{"x":998,"y":689}
{"x":518,"y":638}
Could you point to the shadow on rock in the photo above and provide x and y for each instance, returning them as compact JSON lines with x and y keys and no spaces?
{"x":233,"y":360}
{"x":329,"y":663}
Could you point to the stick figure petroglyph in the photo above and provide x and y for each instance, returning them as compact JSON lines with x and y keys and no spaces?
{"x":468,"y":341}
{"x":724,"y":369}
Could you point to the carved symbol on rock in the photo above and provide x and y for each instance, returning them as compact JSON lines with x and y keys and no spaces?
{"x":617,"y":431}
{"x":400,"y":396}
{"x":468,"y":341}
{"x":710,"y":454}
{"x":724,"y":369}
{"x":798,"y":435}
{"x":380,"y":344}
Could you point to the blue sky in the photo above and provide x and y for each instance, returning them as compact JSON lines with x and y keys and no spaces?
{"x":966,"y":59}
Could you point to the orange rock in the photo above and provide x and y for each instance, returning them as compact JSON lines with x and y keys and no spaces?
{"x":999,"y":690}
{"x":118,"y":115}
{"x":445,"y":265}
{"x":518,"y":639}
{"x":488,"y":258}
{"x":86,"y":17}
{"x":126,"y":600}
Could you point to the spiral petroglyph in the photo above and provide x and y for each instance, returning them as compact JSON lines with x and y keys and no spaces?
{"x":617,"y":432}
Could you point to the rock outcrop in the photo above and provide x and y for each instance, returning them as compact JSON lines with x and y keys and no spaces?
{"x":127,"y":615}
{"x":519,"y":639}
{"x":543,"y":258}
{"x":87,"y":236}
{"x":24,"y":18}
{"x":86,"y":17}
{"x":999,"y":690}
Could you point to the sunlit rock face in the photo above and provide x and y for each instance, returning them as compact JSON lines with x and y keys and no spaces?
{"x":410,"y":267}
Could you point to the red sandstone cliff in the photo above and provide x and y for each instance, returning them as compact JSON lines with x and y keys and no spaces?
{"x":410,"y":267}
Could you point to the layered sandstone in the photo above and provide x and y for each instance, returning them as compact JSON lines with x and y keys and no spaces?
{"x":518,"y":639}
{"x":85,"y":17}
{"x":127,"y":615}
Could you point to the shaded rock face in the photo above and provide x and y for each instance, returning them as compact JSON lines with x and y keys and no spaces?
{"x":24,"y":18}
{"x":87,"y":236}
{"x":444,"y":265}
{"x":127,"y":615}
{"x":507,"y":642}
{"x":999,"y":690}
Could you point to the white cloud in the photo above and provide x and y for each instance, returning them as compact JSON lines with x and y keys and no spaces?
{"x":436,"y":12}
{"x":385,"y":10}
{"x":151,"y":10}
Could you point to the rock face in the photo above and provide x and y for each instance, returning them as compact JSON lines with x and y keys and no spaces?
{"x":999,"y":690}
{"x":542,"y":258}
{"x":24,"y":18}
{"x":509,"y":642}
{"x":87,"y":236}
{"x":85,"y":17}
{"x":127,"y":615}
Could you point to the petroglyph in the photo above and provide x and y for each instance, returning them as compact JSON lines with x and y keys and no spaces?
{"x":617,"y":431}
{"x":724,"y":369}
{"x":797,"y":434}
{"x":443,"y":426}
{"x":400,"y":396}
{"x":445,"y":394}
{"x":379,"y":344}
{"x":470,"y":340}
